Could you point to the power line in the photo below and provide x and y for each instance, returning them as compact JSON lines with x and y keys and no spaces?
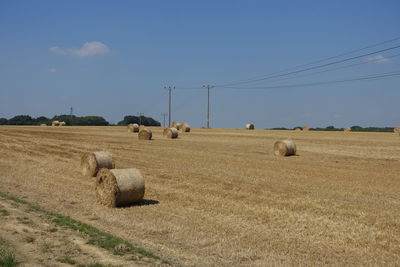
{"x":318,"y":61}
{"x":369,"y":77}
{"x":315,"y":67}
{"x":337,"y":68}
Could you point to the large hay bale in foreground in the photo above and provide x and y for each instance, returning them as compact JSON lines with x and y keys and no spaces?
{"x":133,"y":128}
{"x":346,"y":129}
{"x":185,"y":127}
{"x":285,"y":148}
{"x":306,"y":128}
{"x":92,"y":162}
{"x":119,"y":187}
{"x":145,"y":134}
{"x":170,"y":133}
{"x":250,"y":126}
{"x":55,"y":123}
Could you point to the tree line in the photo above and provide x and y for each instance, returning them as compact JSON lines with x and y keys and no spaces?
{"x":73,"y":120}
{"x":352,"y":128}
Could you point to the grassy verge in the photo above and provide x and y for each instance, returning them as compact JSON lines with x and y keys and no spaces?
{"x":7,"y":258}
{"x":96,"y":236}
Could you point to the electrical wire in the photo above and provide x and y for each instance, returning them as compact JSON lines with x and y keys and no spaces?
{"x":315,"y":67}
{"x":337,"y":68}
{"x":369,"y":77}
{"x":320,"y":60}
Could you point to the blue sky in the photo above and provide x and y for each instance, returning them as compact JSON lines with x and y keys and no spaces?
{"x":113,"y":58}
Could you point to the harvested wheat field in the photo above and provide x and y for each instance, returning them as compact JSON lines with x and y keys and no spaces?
{"x":221,"y":196}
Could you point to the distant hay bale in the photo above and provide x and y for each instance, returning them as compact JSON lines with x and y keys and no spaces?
{"x":396,"y":129}
{"x":119,"y":187}
{"x":145,"y":134}
{"x":297,"y":129}
{"x":43,"y":124}
{"x":171,"y":133}
{"x":285,"y":148}
{"x":173,"y":124}
{"x":62,"y":123}
{"x":346,"y":129}
{"x":133,"y":128}
{"x":306,"y":128}
{"x":250,"y":126}
{"x":55,"y":123}
{"x":92,"y":162}
{"x":185,"y":127}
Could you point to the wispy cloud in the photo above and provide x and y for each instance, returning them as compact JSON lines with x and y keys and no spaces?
{"x":52,"y":70}
{"x":88,"y":49}
{"x":378,"y":59}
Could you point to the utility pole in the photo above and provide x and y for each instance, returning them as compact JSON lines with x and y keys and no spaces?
{"x":140,"y":117}
{"x":169,"y":106}
{"x":71,"y":112}
{"x":164,"y":114}
{"x":208,"y":103}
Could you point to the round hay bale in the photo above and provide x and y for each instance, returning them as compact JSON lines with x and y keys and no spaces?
{"x":55,"y":123}
{"x":250,"y":126}
{"x":145,"y":134}
{"x":133,"y":128}
{"x":119,"y":187}
{"x":185,"y":127}
{"x":173,"y":124}
{"x":306,"y":128}
{"x":91,"y":163}
{"x":285,"y":148}
{"x":346,"y":129}
{"x":171,"y":133}
{"x":62,"y":123}
{"x":396,"y":129}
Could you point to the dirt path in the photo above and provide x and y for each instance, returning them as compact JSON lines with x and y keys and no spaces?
{"x":36,"y":239}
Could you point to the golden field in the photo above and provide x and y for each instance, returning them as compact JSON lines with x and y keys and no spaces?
{"x":220,"y":196}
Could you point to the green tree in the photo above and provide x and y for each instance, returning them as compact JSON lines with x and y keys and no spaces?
{"x":21,"y":120}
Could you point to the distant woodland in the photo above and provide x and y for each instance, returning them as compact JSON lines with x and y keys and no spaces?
{"x":352,"y":128}
{"x":73,"y":120}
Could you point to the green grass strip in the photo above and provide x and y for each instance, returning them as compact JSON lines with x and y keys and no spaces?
{"x":97,"y":237}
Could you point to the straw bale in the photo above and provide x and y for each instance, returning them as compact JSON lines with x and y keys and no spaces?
{"x":119,"y":187}
{"x":133,"y":128}
{"x":346,"y":129}
{"x":145,"y":134}
{"x":250,"y":126}
{"x":306,"y":128}
{"x":92,"y":162}
{"x":285,"y":148}
{"x":185,"y":127}
{"x":171,"y":133}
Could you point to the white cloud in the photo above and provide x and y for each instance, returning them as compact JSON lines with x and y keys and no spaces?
{"x":57,"y":50}
{"x":88,"y":49}
{"x":52,"y":70}
{"x":378,"y":59}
